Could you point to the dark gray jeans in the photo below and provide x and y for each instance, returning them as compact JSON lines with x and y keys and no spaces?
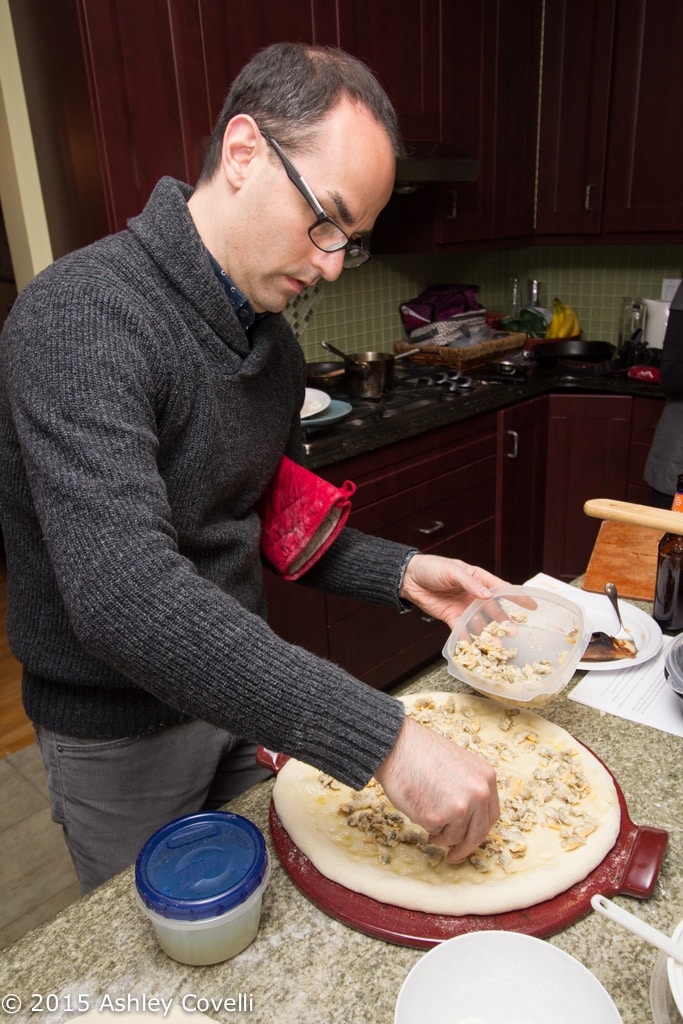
{"x":109,"y":796}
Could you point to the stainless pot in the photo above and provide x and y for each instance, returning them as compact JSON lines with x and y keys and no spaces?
{"x":368,"y":374}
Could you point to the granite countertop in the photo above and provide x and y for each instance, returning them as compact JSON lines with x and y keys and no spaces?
{"x":307,"y":968}
{"x":334,"y":445}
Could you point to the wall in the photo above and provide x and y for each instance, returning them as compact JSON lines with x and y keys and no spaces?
{"x":359,"y":312}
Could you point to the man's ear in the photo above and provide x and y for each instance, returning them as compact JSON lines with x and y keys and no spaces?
{"x":240,"y":145}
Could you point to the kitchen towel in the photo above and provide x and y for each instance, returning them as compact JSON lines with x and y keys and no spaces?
{"x":301,"y":514}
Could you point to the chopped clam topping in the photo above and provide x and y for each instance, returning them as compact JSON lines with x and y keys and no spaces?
{"x":549,"y":798}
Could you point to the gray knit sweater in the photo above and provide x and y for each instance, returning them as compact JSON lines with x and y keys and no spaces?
{"x":138,"y":428}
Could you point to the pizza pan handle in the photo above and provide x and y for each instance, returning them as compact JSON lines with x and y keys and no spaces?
{"x":270,"y":759}
{"x":644,"y":862}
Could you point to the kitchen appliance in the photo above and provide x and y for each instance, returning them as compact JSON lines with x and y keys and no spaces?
{"x":631,"y":867}
{"x":656,"y":321}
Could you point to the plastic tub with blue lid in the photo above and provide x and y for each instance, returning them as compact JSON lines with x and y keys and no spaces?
{"x":200,"y":880}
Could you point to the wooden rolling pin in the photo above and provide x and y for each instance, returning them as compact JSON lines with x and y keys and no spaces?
{"x":638,"y":515}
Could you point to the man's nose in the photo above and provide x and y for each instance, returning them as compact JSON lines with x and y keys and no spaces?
{"x":329,"y":264}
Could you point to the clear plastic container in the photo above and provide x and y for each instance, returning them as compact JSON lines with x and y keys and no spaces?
{"x":200,"y":881}
{"x":518,"y":655}
{"x":673,"y":666}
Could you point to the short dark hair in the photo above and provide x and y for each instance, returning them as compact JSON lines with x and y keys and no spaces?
{"x":288,"y":88}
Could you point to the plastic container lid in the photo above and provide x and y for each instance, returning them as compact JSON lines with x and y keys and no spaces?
{"x":201,"y":865}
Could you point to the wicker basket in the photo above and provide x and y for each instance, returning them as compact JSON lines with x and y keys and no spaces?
{"x":463,"y":358}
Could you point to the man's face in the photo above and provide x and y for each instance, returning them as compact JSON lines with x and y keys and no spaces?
{"x":351,"y":173}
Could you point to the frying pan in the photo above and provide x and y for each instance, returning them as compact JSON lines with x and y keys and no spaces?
{"x":551,"y":352}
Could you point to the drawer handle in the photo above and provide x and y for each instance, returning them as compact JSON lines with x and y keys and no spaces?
{"x":427,"y":531}
{"x":515,"y":444}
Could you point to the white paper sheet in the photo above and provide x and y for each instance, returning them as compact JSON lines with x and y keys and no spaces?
{"x":640,"y":694}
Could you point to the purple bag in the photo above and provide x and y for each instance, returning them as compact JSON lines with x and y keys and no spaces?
{"x":439,"y":302}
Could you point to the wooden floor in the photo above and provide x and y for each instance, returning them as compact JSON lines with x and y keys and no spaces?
{"x":15,"y":729}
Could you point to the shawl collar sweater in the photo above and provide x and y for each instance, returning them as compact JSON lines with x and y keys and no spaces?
{"x":138,"y":429}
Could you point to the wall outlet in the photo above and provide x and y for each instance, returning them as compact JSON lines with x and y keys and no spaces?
{"x":669,"y":287}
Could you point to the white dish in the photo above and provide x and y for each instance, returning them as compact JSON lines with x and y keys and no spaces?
{"x":335,"y":412}
{"x":600,"y":617}
{"x":314,"y":402}
{"x":493,"y":977}
{"x":675,"y":972}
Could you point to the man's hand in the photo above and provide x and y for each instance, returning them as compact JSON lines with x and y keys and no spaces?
{"x":443,"y":587}
{"x":442,"y":787}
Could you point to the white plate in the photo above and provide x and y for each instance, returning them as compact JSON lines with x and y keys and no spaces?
{"x":496,"y":977}
{"x":334,"y":413}
{"x":314,"y":402}
{"x":675,"y":972}
{"x":600,"y":617}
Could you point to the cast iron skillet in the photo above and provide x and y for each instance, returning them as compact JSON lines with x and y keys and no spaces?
{"x":551,"y":352}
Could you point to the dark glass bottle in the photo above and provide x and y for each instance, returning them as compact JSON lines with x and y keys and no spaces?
{"x":668,"y":603}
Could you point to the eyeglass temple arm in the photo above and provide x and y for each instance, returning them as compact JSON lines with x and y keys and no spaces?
{"x":295,"y":177}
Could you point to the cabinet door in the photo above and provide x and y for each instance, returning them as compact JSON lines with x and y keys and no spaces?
{"x":575,"y":88}
{"x":646,"y":413}
{"x":588,"y":443}
{"x":134,"y":86}
{"x":520,"y":507}
{"x":159,"y":72}
{"x":402,"y":44}
{"x":644,"y":183}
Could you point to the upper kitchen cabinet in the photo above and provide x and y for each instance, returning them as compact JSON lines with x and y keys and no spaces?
{"x":644,"y":177}
{"x":575,"y":85}
{"x":483,"y":107}
{"x":401,"y":42}
{"x":159,"y":72}
{"x":610,"y":160}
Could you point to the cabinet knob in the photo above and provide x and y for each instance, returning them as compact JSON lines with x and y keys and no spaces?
{"x":427,"y":531}
{"x":587,"y":199}
{"x":515,"y":444}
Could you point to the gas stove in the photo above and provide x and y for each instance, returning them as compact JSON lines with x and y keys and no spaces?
{"x":416,"y":389}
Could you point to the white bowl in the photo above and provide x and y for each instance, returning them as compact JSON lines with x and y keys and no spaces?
{"x":675,"y":972}
{"x":554,"y":630}
{"x":497,"y":977}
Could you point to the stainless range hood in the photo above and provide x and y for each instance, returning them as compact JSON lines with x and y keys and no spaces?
{"x":432,"y":164}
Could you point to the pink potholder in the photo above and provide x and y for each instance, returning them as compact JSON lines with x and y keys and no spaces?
{"x":301,"y":514}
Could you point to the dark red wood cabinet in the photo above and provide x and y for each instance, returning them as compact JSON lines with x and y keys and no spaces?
{"x":520,"y":512}
{"x":589,"y":438}
{"x":610,"y":157}
{"x":574,"y":114}
{"x":644,"y":172}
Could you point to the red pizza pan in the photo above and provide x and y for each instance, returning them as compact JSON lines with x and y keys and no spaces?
{"x":630,"y":868}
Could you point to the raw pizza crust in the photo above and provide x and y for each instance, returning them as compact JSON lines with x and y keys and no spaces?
{"x":560,"y":817}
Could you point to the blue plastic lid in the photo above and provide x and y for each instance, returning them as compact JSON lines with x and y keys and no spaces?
{"x":201,"y":865}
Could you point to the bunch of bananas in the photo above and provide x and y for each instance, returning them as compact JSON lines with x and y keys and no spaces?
{"x":564,"y":323}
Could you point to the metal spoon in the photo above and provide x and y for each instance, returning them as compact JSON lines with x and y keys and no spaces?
{"x":634,"y":924}
{"x":624,"y":633}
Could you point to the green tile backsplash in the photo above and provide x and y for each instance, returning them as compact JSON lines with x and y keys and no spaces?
{"x":359,"y":312}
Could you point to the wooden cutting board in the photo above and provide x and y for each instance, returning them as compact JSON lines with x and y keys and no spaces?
{"x":625,"y":555}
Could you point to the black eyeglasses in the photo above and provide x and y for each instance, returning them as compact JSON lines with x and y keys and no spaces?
{"x":325,"y":233}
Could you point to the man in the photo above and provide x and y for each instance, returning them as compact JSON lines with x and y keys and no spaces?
{"x":149,"y":392}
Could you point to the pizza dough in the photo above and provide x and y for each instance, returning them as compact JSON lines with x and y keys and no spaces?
{"x":560,"y":817}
